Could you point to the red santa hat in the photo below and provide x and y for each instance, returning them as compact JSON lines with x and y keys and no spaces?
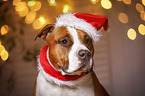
{"x":87,"y":22}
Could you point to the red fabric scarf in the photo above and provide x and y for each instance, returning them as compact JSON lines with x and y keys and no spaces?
{"x":47,"y":67}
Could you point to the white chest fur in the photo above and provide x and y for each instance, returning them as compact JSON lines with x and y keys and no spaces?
{"x":45,"y":88}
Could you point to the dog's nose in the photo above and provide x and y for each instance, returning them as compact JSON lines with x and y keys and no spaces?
{"x":84,"y":55}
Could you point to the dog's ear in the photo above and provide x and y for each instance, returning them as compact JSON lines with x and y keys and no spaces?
{"x":45,"y":31}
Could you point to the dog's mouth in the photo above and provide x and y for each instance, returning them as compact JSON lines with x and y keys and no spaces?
{"x":84,"y":68}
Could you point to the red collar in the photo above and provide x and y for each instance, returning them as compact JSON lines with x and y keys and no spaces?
{"x":51,"y":71}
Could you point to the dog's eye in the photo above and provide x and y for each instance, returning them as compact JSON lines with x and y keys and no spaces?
{"x":87,"y":40}
{"x":65,"y":42}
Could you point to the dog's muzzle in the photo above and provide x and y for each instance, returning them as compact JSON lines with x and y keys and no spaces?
{"x":85,"y":62}
{"x":84,"y":57}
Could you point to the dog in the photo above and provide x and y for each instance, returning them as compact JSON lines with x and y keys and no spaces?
{"x":65,"y":64}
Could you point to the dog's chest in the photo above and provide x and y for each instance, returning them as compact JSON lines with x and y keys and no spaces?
{"x":45,"y":88}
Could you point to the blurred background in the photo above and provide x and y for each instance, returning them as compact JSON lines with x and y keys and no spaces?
{"x":119,"y":55}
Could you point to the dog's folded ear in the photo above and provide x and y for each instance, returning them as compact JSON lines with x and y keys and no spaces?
{"x":44,"y":32}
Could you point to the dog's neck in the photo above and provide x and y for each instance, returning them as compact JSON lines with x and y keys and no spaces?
{"x":50,"y":70}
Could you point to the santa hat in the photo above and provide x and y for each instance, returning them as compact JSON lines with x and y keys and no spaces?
{"x":87,"y":22}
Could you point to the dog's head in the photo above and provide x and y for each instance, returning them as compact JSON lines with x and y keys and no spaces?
{"x":70,"y":48}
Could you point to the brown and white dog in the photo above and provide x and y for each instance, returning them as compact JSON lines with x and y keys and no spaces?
{"x":66,"y":62}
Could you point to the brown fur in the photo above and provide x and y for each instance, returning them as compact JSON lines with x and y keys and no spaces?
{"x":58,"y":54}
{"x":56,"y":49}
{"x":86,"y":40}
{"x":98,"y":88}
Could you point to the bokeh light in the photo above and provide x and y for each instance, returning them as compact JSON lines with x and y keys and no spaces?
{"x":36,"y":7}
{"x":65,"y":8}
{"x":142,"y":15}
{"x":30,"y":17}
{"x":139,"y":7}
{"x":24,"y":12}
{"x":1,"y":49}
{"x":94,"y":1}
{"x":106,"y":4}
{"x":4,"y":55}
{"x":15,"y":2}
{"x":131,"y":34}
{"x":127,"y":1}
{"x":20,"y":6}
{"x":0,"y":42}
{"x":42,"y":20}
{"x":4,"y":29}
{"x":52,"y":2}
{"x":141,"y":29}
{"x":31,"y":3}
{"x":123,"y":18}
{"x":39,"y":22}
{"x":143,"y":2}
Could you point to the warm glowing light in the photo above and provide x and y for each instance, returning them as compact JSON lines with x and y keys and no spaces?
{"x":42,"y":20}
{"x":4,"y":55}
{"x":131,"y":34}
{"x":141,"y":29}
{"x":4,"y":29}
{"x":15,"y":2}
{"x":30,"y":17}
{"x":20,"y":6}
{"x":106,"y":4}
{"x":52,"y":2}
{"x":37,"y":24}
{"x":24,"y":12}
{"x":139,"y":7}
{"x":143,"y":2}
{"x":123,"y":18}
{"x":31,"y":3}
{"x":1,"y":49}
{"x":65,"y":9}
{"x":94,"y":1}
{"x":142,"y":15}
{"x":0,"y":42}
{"x":36,"y":7}
{"x":127,"y":1}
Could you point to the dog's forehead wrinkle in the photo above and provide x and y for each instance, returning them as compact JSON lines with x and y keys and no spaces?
{"x":66,"y":36}
{"x":74,"y":34}
{"x":62,"y":32}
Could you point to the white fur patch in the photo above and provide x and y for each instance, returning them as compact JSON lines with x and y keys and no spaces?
{"x":60,"y":82}
{"x":72,"y":21}
{"x":74,"y":62}
{"x":45,"y":85}
{"x":45,"y":88}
